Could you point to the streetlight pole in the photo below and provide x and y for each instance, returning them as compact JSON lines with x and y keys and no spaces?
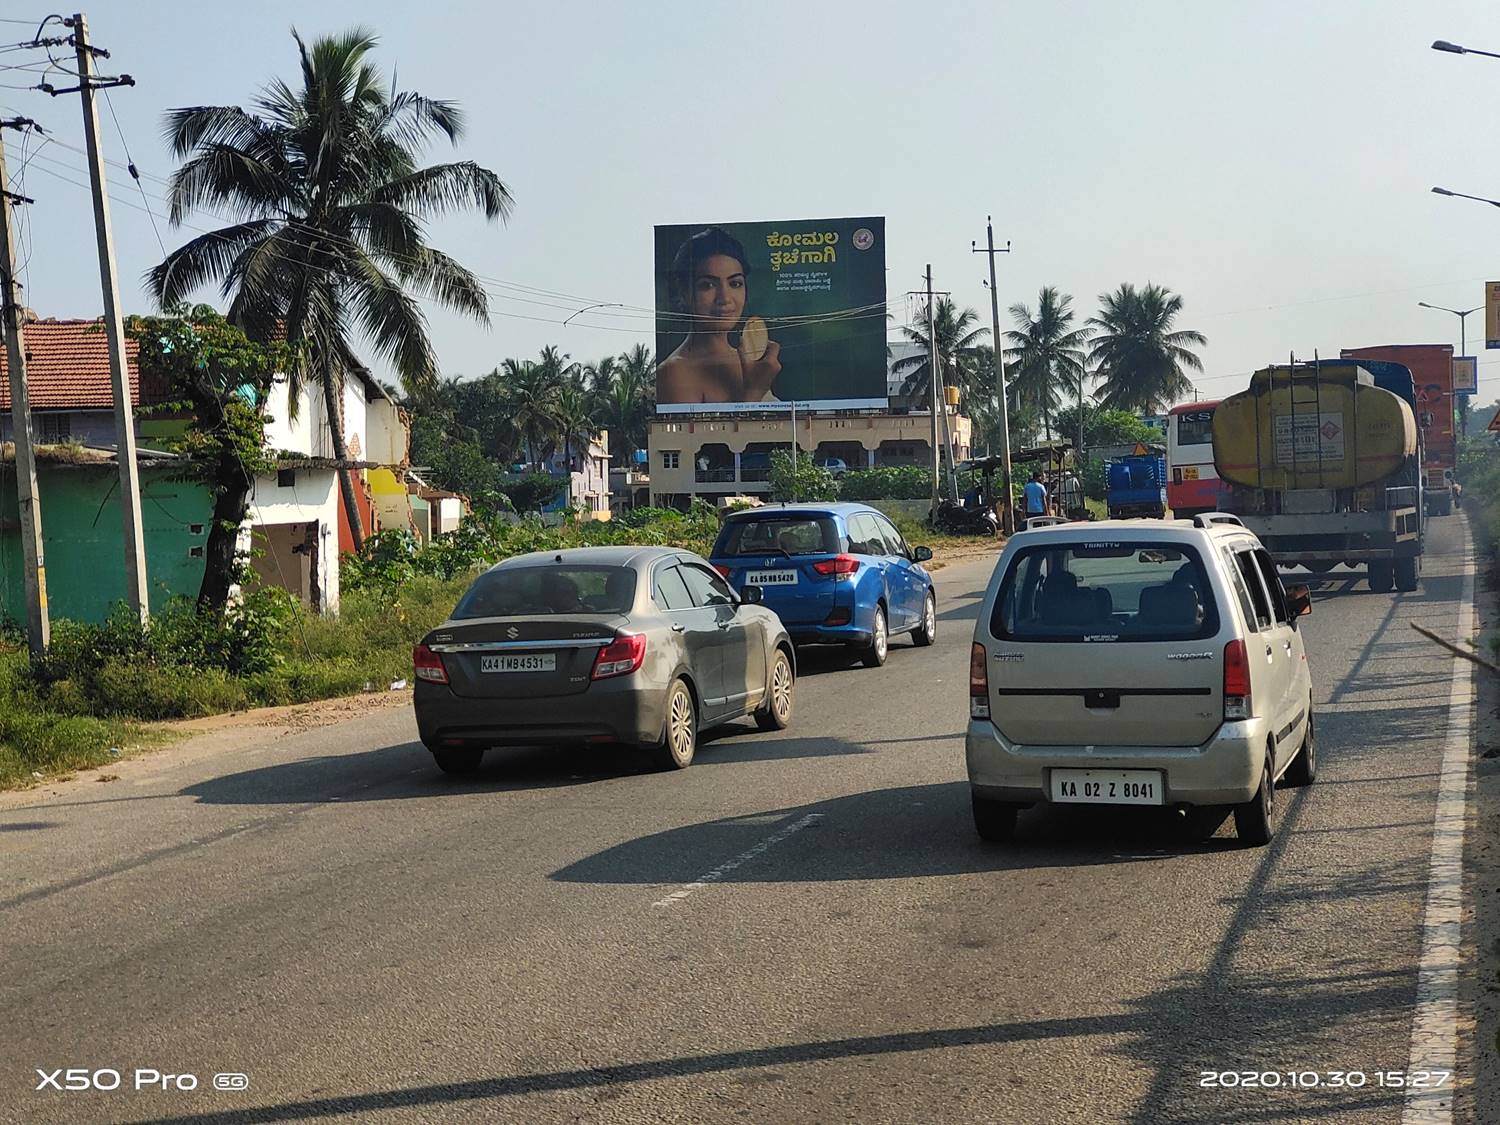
{"x":1463,"y":350}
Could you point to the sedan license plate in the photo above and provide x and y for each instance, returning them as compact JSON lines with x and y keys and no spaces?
{"x":520,"y":662}
{"x":1108,"y":787}
{"x":771,"y":578}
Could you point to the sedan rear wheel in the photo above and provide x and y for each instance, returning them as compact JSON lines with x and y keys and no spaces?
{"x":880,"y":641}
{"x":926,"y":633}
{"x":776,"y":713}
{"x":680,"y":739}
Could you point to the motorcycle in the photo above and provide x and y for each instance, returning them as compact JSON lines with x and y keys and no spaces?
{"x":956,"y":519}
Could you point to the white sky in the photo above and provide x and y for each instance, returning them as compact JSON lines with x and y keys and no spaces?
{"x":1271,"y":162}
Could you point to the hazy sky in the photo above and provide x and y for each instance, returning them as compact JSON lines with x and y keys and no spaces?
{"x":1271,"y":162}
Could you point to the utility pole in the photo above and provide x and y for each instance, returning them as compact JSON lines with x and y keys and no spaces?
{"x":28,"y":501}
{"x":932,"y":379}
{"x":114,"y":328}
{"x":1007,"y":513}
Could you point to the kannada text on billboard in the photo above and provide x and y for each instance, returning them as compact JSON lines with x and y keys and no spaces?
{"x":759,"y":316}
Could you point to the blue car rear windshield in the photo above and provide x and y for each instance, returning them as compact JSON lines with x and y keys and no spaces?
{"x":530,"y":591}
{"x":778,"y":534}
{"x":1110,"y":591}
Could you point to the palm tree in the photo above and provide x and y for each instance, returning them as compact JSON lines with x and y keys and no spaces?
{"x":575,"y":421}
{"x":639,"y":366}
{"x":531,"y":401}
{"x":331,"y":202}
{"x":1142,"y":361}
{"x":1046,"y":353}
{"x":957,"y":340}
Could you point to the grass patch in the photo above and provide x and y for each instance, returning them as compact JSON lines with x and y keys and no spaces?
{"x":50,"y":744}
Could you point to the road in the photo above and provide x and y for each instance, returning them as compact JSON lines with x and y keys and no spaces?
{"x":800,"y":927}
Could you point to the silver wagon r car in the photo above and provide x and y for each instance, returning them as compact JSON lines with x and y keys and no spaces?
{"x":1138,"y":663}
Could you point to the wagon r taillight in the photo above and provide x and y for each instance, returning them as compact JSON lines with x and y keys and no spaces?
{"x":979,"y":682}
{"x":1236,"y":681}
{"x":428,"y":665}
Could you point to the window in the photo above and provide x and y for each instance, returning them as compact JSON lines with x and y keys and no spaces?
{"x":1237,"y":580}
{"x":865,"y":537}
{"x":1109,"y":591}
{"x":53,"y":429}
{"x":893,"y":538}
{"x":533,"y":590}
{"x":671,"y":591}
{"x":1195,"y":427}
{"x":707,"y":588}
{"x":790,"y":535}
{"x":1250,"y":572}
{"x":1273,"y":585}
{"x":671,"y":458}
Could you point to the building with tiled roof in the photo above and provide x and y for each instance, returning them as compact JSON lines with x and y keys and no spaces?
{"x":67,"y":377}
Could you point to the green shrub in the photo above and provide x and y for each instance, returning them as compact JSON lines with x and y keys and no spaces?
{"x":800,"y":481}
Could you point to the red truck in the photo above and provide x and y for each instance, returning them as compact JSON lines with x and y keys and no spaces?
{"x":1431,"y":368}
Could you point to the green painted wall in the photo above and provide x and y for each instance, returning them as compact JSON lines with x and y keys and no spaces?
{"x":82,"y":533}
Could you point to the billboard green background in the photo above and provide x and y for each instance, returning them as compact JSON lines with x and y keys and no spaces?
{"x":829,"y":357}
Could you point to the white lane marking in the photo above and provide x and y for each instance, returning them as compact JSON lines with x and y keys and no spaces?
{"x":1434,"y":1029}
{"x":744,"y":857}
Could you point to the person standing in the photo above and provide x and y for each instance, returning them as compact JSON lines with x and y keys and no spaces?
{"x":1036,"y":495}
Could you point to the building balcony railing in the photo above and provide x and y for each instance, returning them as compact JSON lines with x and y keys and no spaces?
{"x":716,"y":476}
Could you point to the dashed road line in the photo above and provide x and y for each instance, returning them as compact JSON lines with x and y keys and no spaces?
{"x":725,"y":868}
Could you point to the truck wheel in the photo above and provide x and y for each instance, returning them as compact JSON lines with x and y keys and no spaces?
{"x":1408,"y":573}
{"x":1382,"y":576}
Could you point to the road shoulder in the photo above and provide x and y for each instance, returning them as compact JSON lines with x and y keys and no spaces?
{"x":1484,"y":868}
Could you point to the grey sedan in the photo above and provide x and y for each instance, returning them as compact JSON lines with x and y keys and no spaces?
{"x":638,"y":646}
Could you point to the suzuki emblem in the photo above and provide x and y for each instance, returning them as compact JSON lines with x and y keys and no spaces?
{"x":512,"y":632}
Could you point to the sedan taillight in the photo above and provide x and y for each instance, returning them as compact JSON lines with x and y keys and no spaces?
{"x":428,"y":665}
{"x":979,"y":682}
{"x":621,"y":656}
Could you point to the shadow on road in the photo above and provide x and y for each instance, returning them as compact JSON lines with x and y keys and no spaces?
{"x":902,"y":833}
{"x":406,"y":770}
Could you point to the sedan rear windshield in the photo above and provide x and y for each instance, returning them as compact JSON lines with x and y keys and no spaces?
{"x":1107,"y":591}
{"x":772,"y":535}
{"x":526,"y":591}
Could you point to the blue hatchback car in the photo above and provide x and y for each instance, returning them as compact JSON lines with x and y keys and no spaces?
{"x":834,"y":574}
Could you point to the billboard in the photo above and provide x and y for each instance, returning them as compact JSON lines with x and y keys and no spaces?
{"x":759,"y":316}
{"x":1492,"y":314}
{"x":1465,"y":375}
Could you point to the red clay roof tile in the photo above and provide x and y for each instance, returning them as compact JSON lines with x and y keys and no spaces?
{"x":67,"y":366}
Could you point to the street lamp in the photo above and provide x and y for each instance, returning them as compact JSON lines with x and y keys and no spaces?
{"x":1463,"y":349}
{"x":1461,"y":195}
{"x":1455,"y":49}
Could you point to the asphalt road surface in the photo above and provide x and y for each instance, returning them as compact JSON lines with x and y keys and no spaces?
{"x":800,"y":927}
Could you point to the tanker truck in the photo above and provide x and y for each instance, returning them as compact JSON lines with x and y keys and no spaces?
{"x":1323,"y":462}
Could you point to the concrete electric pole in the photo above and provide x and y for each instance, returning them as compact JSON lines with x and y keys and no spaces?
{"x":1007,"y":515}
{"x":29,"y":505}
{"x":114,"y":328}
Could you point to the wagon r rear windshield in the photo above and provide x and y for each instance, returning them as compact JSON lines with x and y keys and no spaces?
{"x":773,"y":535}
{"x":1101,"y":592}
